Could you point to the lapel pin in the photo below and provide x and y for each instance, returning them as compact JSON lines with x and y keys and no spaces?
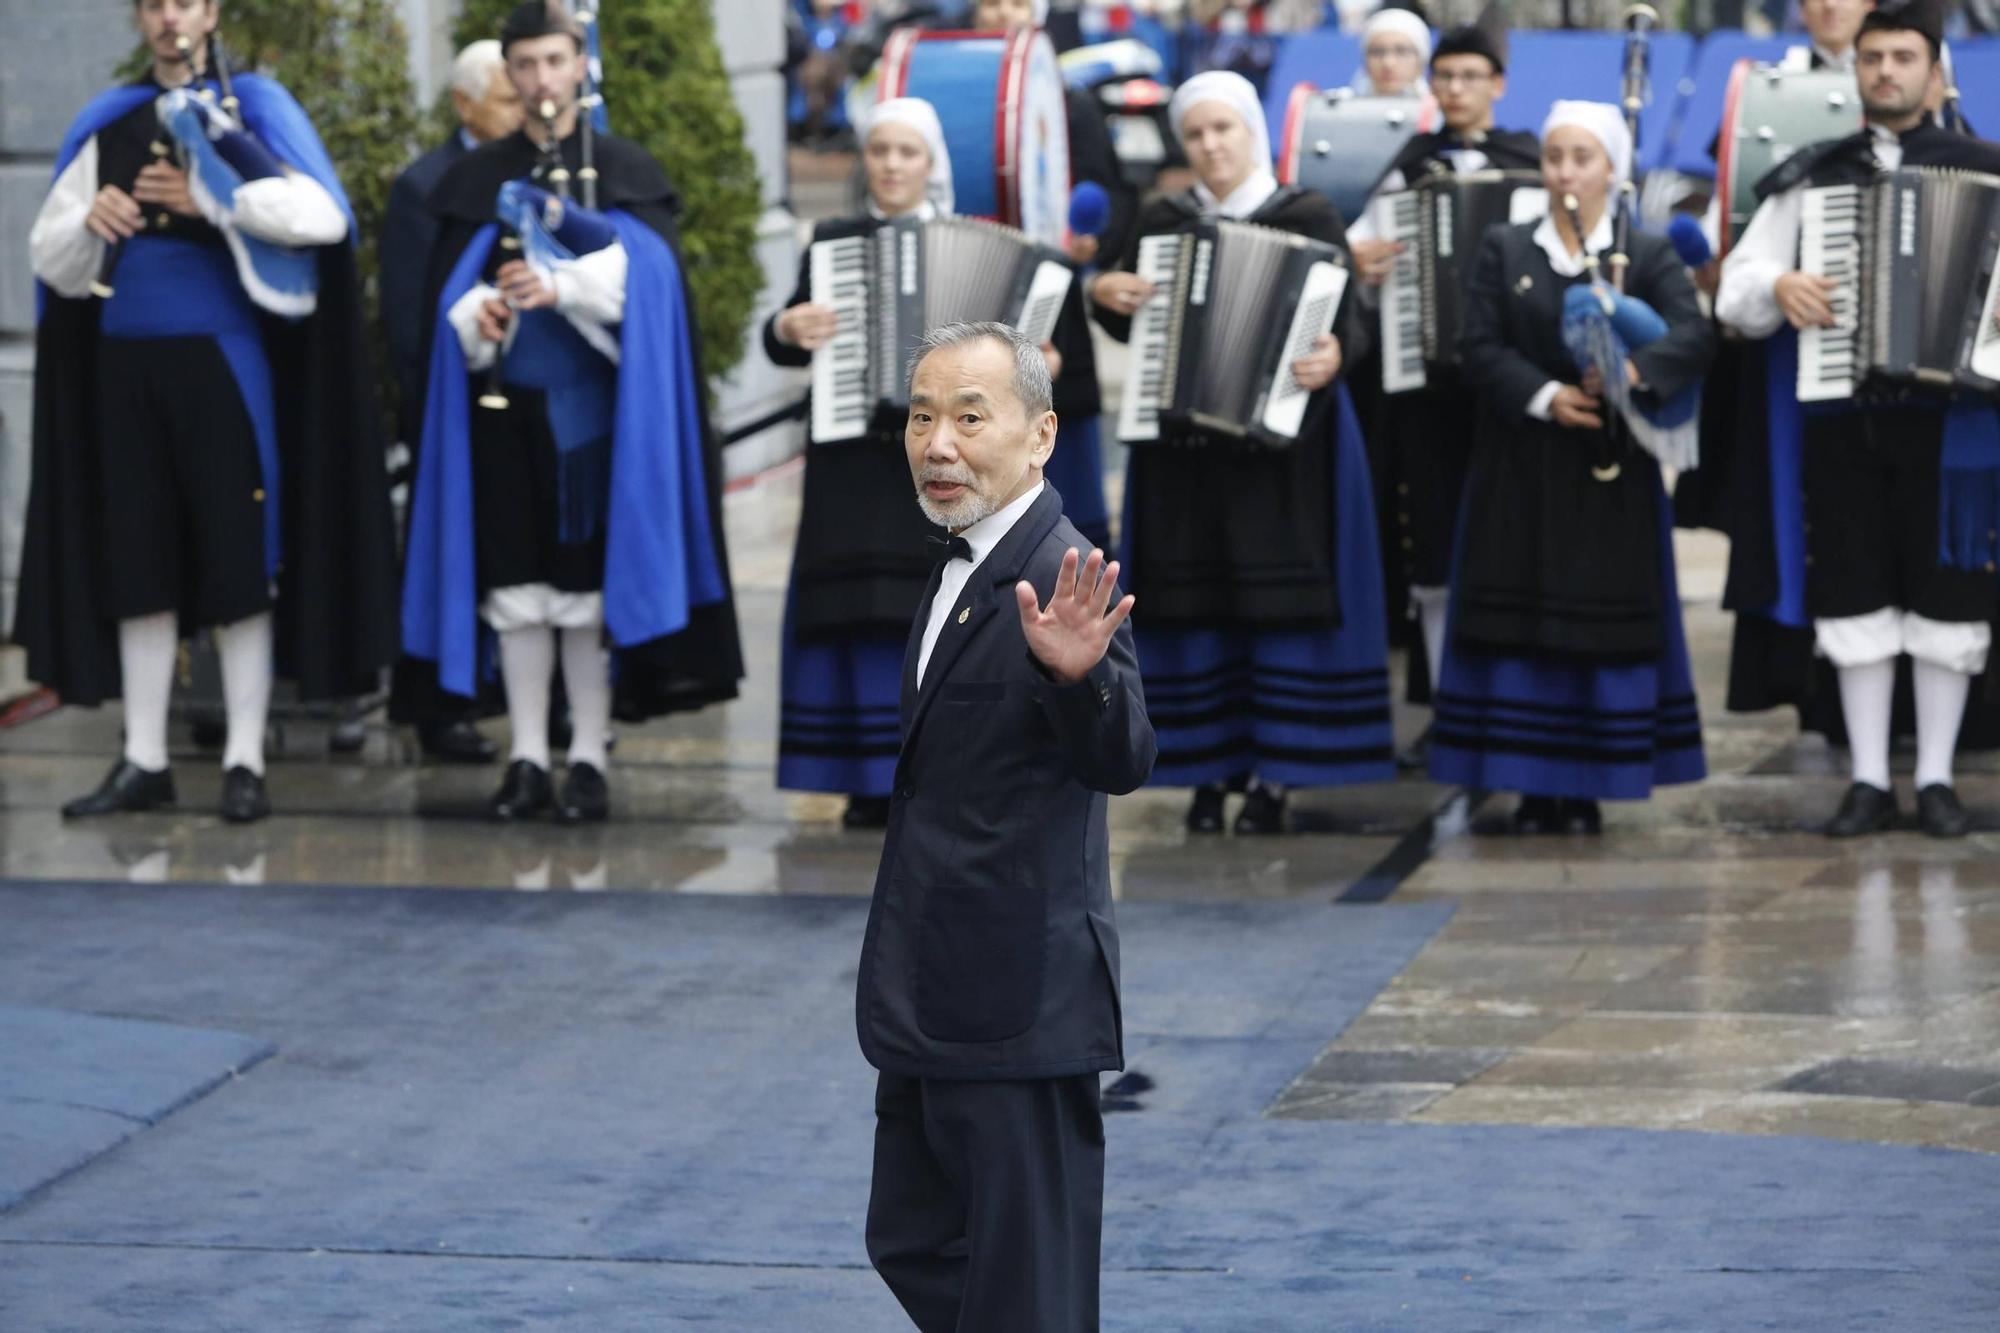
{"x":1527,"y":281}
{"x":965,"y":615}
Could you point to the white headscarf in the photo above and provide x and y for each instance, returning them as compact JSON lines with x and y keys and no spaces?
{"x":1605,"y":123}
{"x":1402,"y":23}
{"x":922,"y":117}
{"x":1235,"y":92}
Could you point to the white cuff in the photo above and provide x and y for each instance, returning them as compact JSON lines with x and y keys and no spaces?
{"x":592,"y":287}
{"x":66,"y":254}
{"x":1955,"y":645}
{"x":1427,"y":595}
{"x":1852,"y":641}
{"x":464,"y":320}
{"x":291,"y":209}
{"x":1539,"y":406}
{"x":527,"y":605}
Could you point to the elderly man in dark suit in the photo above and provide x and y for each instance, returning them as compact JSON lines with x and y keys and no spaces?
{"x":988,"y":988}
{"x":488,"y":108}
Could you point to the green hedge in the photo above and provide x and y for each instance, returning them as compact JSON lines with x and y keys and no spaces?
{"x":664,"y":88}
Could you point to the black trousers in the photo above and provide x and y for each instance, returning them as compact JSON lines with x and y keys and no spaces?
{"x":517,"y":500}
{"x":988,"y":1203}
{"x":182,"y":489}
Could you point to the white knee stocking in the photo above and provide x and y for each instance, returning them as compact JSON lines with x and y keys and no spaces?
{"x":147,"y":646}
{"x":245,"y":650}
{"x":1866,"y":694}
{"x":1941,"y":694}
{"x":527,"y":666}
{"x":1431,"y":606}
{"x":587,"y":676}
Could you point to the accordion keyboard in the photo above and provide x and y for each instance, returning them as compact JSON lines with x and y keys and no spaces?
{"x":1285,"y":409}
{"x":1402,"y":297}
{"x":1146,"y":378}
{"x":1830,"y":246}
{"x":843,"y":393}
{"x":1985,"y":359}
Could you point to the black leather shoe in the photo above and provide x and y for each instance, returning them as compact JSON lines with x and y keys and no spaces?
{"x":1536,"y":815}
{"x":1582,"y":817}
{"x":1263,"y":812}
{"x":456,"y":743}
{"x":1863,"y":810}
{"x":125,"y":787}
{"x":525,"y":791}
{"x":1939,"y":813}
{"x":1204,"y":814}
{"x":244,"y":800}
{"x":865,"y":812}
{"x":586,"y":796}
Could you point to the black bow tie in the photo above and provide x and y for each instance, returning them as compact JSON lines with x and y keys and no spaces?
{"x":949,"y":548}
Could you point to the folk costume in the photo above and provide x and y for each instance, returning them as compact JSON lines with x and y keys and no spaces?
{"x":206,"y":452}
{"x":1418,"y":445}
{"x":1883,"y":510}
{"x":1262,"y":636}
{"x":858,"y":570}
{"x":583,"y":500}
{"x":1566,"y":673}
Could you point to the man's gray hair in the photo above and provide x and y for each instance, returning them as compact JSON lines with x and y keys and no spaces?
{"x":1031,"y":373}
{"x":472,"y":70}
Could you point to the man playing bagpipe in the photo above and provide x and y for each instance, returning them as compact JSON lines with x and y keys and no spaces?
{"x":1423,"y":446}
{"x":206,"y":452}
{"x":567,"y":483}
{"x":1885,"y":535}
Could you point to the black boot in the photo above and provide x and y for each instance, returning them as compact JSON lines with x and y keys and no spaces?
{"x":456,"y":742}
{"x":1204,"y":813}
{"x":1939,"y":813}
{"x":126,"y":787}
{"x":1863,"y":810}
{"x":586,"y":796}
{"x":1536,"y":815}
{"x":244,"y":800}
{"x":1581,"y":817}
{"x":1263,"y":811}
{"x":525,"y":791}
{"x":865,"y":812}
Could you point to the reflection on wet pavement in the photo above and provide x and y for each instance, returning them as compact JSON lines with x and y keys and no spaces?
{"x":1711,"y":963}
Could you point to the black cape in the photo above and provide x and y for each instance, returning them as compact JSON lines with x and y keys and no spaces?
{"x":335,"y":620}
{"x":701,"y":664}
{"x":1506,"y":150}
{"x":1225,"y":533}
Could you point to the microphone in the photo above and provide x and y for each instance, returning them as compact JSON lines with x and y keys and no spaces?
{"x":1689,"y":242}
{"x":1089,"y":209}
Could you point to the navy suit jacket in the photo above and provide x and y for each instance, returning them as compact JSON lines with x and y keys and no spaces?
{"x":408,"y":232}
{"x":991,"y":951}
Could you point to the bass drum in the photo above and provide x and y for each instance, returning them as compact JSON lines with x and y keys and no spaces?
{"x":1339,"y":144}
{"x":1769,"y":113}
{"x":999,"y":97}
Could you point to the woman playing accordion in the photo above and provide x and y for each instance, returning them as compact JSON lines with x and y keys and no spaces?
{"x":1263,"y":640}
{"x":1566,"y":673}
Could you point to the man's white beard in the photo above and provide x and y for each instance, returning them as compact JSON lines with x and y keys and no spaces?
{"x":960,"y":514}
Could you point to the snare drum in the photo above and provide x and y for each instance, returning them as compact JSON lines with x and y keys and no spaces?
{"x":999,"y":98}
{"x":1339,"y":144}
{"x":1769,"y":113}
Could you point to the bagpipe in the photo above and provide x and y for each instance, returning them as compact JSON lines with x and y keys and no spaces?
{"x":209,"y":140}
{"x":1602,"y":325}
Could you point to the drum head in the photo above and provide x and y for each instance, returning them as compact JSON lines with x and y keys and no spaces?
{"x":1768,"y":114}
{"x":1339,"y":144}
{"x":1033,"y":162}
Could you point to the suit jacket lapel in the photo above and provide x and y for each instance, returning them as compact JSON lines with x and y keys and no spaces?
{"x":914,"y":648}
{"x":977,"y":603}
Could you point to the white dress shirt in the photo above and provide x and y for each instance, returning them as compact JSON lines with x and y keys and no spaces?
{"x":1566,"y":265}
{"x":982,"y":537}
{"x":1768,"y":249}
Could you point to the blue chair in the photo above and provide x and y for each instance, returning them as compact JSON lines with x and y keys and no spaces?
{"x":1975,"y":62}
{"x":1326,"y":57}
{"x":1546,"y":67}
{"x":1708,"y":83}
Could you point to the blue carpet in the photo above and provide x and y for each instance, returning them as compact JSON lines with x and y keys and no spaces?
{"x":75,"y":1085}
{"x":498,"y":1110}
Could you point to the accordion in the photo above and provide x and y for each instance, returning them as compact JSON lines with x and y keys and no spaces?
{"x":1438,"y":222}
{"x":891,"y":282}
{"x":1912,"y":256}
{"x":1234,"y":305}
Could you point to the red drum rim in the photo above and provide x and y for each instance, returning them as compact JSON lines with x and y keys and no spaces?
{"x":1288,"y":138}
{"x":1725,"y":153}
